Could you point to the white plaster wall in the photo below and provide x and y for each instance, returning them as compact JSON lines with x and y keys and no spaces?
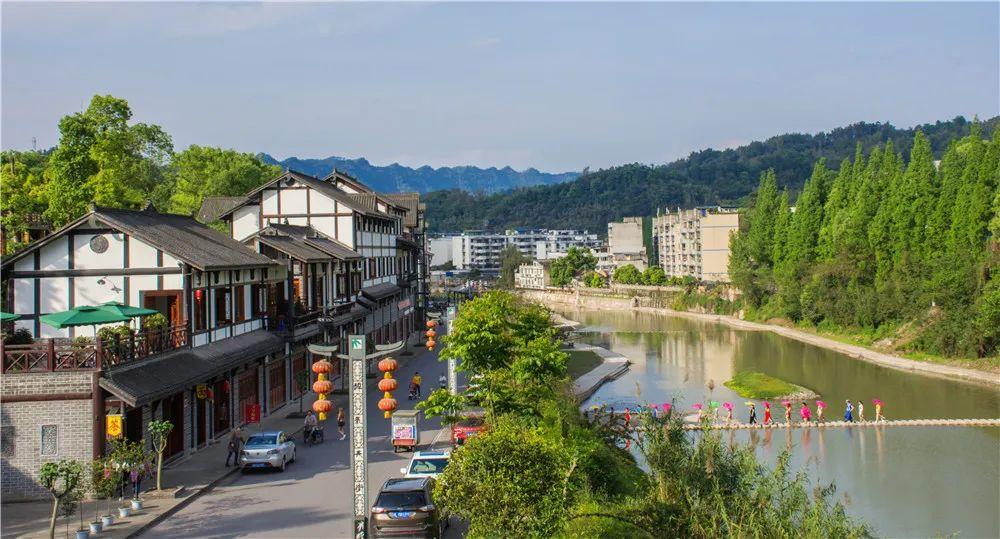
{"x":88,"y":292}
{"x":55,"y":256}
{"x":320,"y":203}
{"x":140,"y":283}
{"x":345,"y":230}
{"x":141,"y":254}
{"x":300,"y":221}
{"x":85,"y":258}
{"x":54,"y":294}
{"x":346,"y":188}
{"x":326,"y":225}
{"x":245,"y":221}
{"x":24,"y":296}
{"x":173,"y":282}
{"x":169,"y":261}
{"x":294,"y":201}
{"x":269,"y":201}
{"x":46,"y":331}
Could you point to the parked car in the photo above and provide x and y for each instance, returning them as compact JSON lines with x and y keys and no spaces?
{"x":405,"y":507}
{"x":267,"y":450}
{"x":426,"y":464}
{"x":472,"y":422}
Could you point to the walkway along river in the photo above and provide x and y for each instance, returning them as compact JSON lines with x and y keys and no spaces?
{"x":916,"y":481}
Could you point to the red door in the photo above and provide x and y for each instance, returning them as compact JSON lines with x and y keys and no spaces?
{"x":247,"y":392}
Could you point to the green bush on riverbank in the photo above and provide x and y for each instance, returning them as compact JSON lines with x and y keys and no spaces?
{"x":756,"y":385}
{"x":543,"y":470}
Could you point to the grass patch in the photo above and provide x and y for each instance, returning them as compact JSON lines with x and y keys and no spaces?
{"x":755,"y":385}
{"x":581,"y":362}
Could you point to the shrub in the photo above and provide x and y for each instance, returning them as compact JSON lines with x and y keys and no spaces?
{"x":20,"y":336}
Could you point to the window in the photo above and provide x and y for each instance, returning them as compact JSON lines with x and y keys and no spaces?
{"x":257,"y":300}
{"x":223,"y":308}
{"x":50,"y":440}
{"x":200,"y":309}
{"x":241,"y":313}
{"x":7,"y":441}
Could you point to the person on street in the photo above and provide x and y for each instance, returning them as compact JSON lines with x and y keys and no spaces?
{"x":341,"y":419}
{"x":416,"y":382}
{"x":805,"y":413}
{"x":309,"y":424}
{"x":767,"y":413}
{"x":861,"y":411}
{"x":753,"y":414}
{"x":235,"y":444}
{"x":848,"y":411}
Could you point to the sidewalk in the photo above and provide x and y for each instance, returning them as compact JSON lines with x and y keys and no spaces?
{"x":189,"y":476}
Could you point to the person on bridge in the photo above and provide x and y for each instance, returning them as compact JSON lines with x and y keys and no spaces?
{"x":878,"y":411}
{"x":340,"y":422}
{"x":849,"y":411}
{"x":820,"y":406}
{"x":805,"y":413}
{"x":753,"y":414}
{"x":767,"y":413}
{"x":788,"y":412}
{"x":861,"y":411}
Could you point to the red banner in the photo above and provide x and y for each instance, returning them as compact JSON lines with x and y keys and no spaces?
{"x":251,"y":413}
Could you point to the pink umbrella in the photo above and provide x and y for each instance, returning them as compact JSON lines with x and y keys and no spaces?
{"x":666,"y":407}
{"x":698,"y":406}
{"x":786,"y":402}
{"x":727,"y":405}
{"x":820,"y":404}
{"x":877,"y":402}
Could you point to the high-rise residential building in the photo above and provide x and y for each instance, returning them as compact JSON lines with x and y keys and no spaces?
{"x":626,"y":245}
{"x":696,"y":242}
{"x":481,"y":250}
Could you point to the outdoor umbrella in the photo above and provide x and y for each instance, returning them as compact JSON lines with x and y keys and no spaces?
{"x":82,"y":316}
{"x":127,"y":310}
{"x":8,"y":317}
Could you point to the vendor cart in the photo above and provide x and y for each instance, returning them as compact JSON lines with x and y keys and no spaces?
{"x":405,"y":433}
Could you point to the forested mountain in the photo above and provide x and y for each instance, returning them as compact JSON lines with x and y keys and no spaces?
{"x":704,"y":177}
{"x":396,"y":178}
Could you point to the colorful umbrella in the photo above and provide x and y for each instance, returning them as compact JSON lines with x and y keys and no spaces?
{"x":82,"y":316}
{"x":127,"y":310}
{"x":727,"y":405}
{"x":698,"y":406}
{"x":786,"y":402}
{"x":713,"y":404}
{"x":877,"y":402}
{"x":750,"y":403}
{"x":666,"y":407}
{"x":8,"y":317}
{"x":820,"y":404}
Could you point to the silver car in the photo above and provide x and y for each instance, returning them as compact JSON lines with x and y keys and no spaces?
{"x":267,"y":450}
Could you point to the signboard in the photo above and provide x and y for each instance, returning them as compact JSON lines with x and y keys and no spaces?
{"x":359,"y":431}
{"x":452,"y":367}
{"x":251,"y":413}
{"x":201,"y":391}
{"x":452,"y":312}
{"x":404,"y":432}
{"x":404,"y":304}
{"x":113,"y":425}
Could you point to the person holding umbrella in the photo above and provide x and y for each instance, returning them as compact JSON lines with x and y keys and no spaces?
{"x":820,"y":406}
{"x":767,"y":413}
{"x":753,"y":413}
{"x":729,"y":411}
{"x":805,"y":413}
{"x":878,"y":410}
{"x":848,"y":411}
{"x":788,"y":411}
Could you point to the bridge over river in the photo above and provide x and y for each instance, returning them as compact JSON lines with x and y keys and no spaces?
{"x":862,"y":424}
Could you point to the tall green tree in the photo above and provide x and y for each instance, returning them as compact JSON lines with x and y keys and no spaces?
{"x":23,"y":187}
{"x":802,"y":234}
{"x":103,"y":158}
{"x":202,"y":171}
{"x":511,"y":258}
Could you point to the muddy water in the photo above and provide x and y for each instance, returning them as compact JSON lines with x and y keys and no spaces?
{"x":906,"y":481}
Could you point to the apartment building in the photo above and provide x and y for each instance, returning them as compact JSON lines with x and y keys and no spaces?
{"x":481,"y":250}
{"x":306,"y":260}
{"x":534,"y":275}
{"x":626,"y":245}
{"x":696,"y":242}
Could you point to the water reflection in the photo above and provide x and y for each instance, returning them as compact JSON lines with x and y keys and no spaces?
{"x":907,"y":481}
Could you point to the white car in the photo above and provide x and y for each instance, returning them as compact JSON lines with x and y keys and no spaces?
{"x":426,"y":464}
{"x":267,"y":450}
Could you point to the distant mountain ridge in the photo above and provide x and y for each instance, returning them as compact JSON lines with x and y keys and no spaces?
{"x":399,"y":178}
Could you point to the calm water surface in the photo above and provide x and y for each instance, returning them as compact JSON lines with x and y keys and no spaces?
{"x":906,"y":481}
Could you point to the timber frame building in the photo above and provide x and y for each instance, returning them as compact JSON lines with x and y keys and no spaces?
{"x":306,"y":260}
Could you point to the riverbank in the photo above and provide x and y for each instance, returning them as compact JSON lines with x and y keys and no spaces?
{"x":612,"y":366}
{"x":573,"y":299}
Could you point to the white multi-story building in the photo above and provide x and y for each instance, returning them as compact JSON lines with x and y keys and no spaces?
{"x":481,"y":250}
{"x":625,"y":246}
{"x":534,"y":275}
{"x":696,"y":242}
{"x":439,"y":249}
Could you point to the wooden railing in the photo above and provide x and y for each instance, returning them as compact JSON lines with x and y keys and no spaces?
{"x":145,"y":343}
{"x":48,"y":355}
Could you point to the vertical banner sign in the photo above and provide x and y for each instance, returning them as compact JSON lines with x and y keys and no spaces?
{"x":113,"y":425}
{"x":359,"y":432}
{"x":251,"y":413}
{"x":452,"y":367}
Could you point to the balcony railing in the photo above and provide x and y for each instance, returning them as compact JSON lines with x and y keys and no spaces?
{"x":145,"y":343}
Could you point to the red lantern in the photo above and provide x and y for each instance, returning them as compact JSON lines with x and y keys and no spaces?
{"x":431,"y":324}
{"x":322,"y":406}
{"x":322,"y":386}
{"x":197,"y":295}
{"x":322,"y":367}
{"x":225,"y":386}
{"x":387,"y":365}
{"x":431,"y":334}
{"x":387,"y":384}
{"x":430,"y":344}
{"x":387,"y":405}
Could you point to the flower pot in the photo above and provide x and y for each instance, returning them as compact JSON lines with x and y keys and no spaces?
{"x":124,"y":512}
{"x":107,"y":521}
{"x":96,"y":527}
{"x":82,"y":534}
{"x":136,"y":505}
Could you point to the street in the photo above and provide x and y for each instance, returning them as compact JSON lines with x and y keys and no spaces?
{"x":312,"y":498}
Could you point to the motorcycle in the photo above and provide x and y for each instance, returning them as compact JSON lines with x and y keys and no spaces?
{"x":312,"y":436}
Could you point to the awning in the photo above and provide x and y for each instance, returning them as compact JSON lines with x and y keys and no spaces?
{"x":380,"y":291}
{"x":142,"y":382}
{"x":356,"y":313}
{"x":407,"y":244}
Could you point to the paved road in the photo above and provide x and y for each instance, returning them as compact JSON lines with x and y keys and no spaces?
{"x":312,"y":498}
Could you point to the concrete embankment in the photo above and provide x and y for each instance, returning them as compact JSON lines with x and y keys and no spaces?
{"x":574,"y":299}
{"x":612,"y":366}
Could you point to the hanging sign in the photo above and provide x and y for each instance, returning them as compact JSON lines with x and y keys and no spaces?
{"x":201,"y":391}
{"x":359,"y":431}
{"x":251,"y":413}
{"x":113,"y":425}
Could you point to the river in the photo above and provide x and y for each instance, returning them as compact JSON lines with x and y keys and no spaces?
{"x":905,"y":481}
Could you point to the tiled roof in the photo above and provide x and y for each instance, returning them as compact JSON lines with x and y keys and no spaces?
{"x":410,"y":201}
{"x":214,"y":207}
{"x":380,"y":291}
{"x":319,"y":241}
{"x":291,"y":246}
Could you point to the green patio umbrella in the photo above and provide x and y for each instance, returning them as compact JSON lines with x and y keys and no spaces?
{"x":8,"y":317}
{"x":127,"y":310}
{"x":82,"y":316}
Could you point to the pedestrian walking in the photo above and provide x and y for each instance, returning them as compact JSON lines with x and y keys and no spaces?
{"x":628,"y":418}
{"x":340,"y":422}
{"x":820,"y":406}
{"x":767,"y":413}
{"x":878,"y":411}
{"x":235,"y":444}
{"x":788,"y":411}
{"x":416,"y":382}
{"x":805,"y":413}
{"x":848,"y":411}
{"x":753,"y":414}
{"x":861,"y":411}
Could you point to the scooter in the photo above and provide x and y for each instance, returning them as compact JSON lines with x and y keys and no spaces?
{"x":313,"y":437}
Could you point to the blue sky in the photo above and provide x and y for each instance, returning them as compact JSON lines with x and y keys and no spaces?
{"x":557,"y":86}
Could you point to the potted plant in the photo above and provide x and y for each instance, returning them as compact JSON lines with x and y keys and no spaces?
{"x":103,"y":480}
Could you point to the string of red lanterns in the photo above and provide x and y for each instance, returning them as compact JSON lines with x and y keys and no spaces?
{"x":431,"y":334}
{"x":386,"y":385}
{"x":322,"y":387}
